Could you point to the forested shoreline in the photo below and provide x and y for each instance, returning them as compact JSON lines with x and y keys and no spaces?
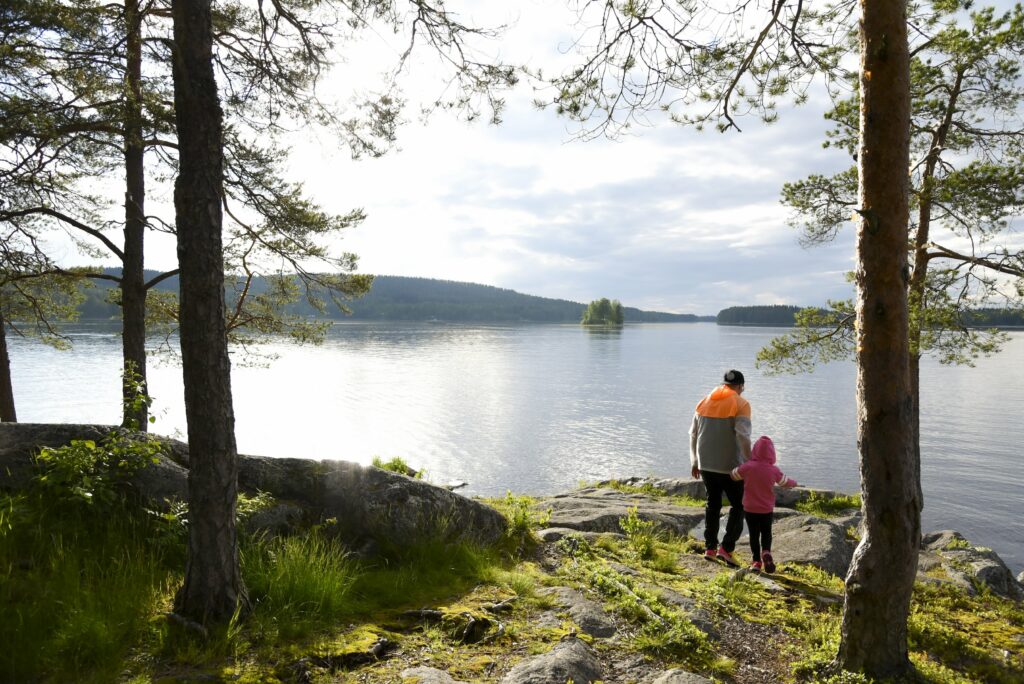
{"x":401,"y":298}
{"x":784,"y":316}
{"x":418,"y":299}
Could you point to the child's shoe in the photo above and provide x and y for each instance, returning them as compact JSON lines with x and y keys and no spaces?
{"x":727,"y":558}
{"x":769,"y":562}
{"x":755,"y":566}
{"x":709,"y":554}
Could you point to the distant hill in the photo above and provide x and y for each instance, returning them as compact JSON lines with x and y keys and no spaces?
{"x":398,"y":298}
{"x":774,"y":316}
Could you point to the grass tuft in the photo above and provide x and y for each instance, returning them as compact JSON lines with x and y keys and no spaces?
{"x":825,"y":506}
{"x":297,"y":584}
{"x":397,"y":464}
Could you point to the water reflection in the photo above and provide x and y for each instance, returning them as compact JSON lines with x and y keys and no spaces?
{"x":604,"y":331}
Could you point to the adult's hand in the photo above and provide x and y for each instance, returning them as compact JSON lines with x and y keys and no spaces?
{"x":695,"y":472}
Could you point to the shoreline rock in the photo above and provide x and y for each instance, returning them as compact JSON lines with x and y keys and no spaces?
{"x":374,"y":508}
{"x":367,"y":503}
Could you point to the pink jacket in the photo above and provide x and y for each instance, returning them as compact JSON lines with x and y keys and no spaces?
{"x":760,"y":475}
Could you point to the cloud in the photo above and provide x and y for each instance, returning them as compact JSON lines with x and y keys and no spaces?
{"x":663,"y":218}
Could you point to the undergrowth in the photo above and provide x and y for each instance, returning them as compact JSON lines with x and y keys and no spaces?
{"x":86,"y":582}
{"x":78,"y":586}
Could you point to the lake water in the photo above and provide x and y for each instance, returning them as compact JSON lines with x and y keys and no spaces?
{"x":540,"y":408}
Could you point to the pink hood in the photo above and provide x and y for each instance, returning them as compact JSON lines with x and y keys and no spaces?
{"x":763,"y":451}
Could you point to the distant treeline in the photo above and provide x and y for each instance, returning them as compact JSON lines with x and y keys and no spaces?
{"x":995,"y":318}
{"x":772,"y":316}
{"x":399,"y":298}
{"x":782,"y":316}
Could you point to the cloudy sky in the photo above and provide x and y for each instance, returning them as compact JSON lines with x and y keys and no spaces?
{"x":666,"y":218}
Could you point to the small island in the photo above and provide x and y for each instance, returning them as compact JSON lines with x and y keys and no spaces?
{"x":603,"y":312}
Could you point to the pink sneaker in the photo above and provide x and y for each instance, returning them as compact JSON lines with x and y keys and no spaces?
{"x":727,"y":558}
{"x":755,"y":566}
{"x":769,"y":562}
{"x":709,"y":554}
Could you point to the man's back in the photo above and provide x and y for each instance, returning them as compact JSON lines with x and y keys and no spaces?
{"x":722,"y":424}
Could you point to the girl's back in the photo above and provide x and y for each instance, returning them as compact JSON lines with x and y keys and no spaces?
{"x":760,"y":475}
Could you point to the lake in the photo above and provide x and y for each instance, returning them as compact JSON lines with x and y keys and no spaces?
{"x":541,"y":408}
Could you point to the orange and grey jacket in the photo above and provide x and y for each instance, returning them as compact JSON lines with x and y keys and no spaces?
{"x":720,"y":433}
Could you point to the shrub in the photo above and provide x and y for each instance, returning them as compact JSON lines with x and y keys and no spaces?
{"x":89,"y":472}
{"x":639,"y":533}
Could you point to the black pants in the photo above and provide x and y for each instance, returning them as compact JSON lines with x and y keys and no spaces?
{"x":759,"y":525}
{"x":716,"y":484}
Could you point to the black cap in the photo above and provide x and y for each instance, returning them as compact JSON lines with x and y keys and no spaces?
{"x":733,"y":377}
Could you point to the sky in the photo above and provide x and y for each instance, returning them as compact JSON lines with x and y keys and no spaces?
{"x":665,"y":218}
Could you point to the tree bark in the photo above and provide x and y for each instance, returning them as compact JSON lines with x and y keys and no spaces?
{"x":133,"y":290}
{"x":881,"y":577}
{"x":212,"y":590}
{"x":7,"y":413}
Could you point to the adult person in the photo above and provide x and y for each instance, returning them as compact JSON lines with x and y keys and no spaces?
{"x":719,"y":442}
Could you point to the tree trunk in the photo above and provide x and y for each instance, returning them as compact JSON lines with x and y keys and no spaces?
{"x":915,"y":423}
{"x":881,"y":577}
{"x":133,"y":291}
{"x":918,"y":289}
{"x":213,"y":589}
{"x":7,"y":413}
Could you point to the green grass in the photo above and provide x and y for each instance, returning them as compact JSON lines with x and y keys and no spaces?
{"x":523,"y":520}
{"x":297,"y":584}
{"x":661,"y":630}
{"x":640,"y":534}
{"x":84,"y":589}
{"x":953,"y":632}
{"x":396,"y":464}
{"x":421,"y":574}
{"x":78,"y":588}
{"x":828,"y":506}
{"x":647,"y":489}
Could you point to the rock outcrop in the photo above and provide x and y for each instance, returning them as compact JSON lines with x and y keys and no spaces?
{"x":588,"y":615}
{"x":20,"y":442}
{"x":815,"y":541}
{"x":967,"y":566}
{"x":427,"y":675}
{"x":679,"y":677}
{"x":368,"y":503}
{"x":571,"y":660}
{"x":596,"y":509}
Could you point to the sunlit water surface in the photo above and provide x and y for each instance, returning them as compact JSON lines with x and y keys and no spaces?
{"x":540,"y":408}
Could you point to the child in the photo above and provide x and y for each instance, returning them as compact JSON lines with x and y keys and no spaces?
{"x":760,"y":476}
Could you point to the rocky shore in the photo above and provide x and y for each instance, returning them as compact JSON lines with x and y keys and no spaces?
{"x":376,"y":507}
